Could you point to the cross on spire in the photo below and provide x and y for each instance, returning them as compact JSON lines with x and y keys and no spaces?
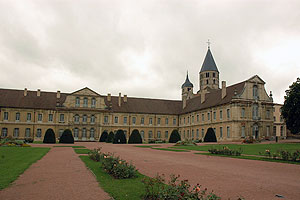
{"x":208,"y":44}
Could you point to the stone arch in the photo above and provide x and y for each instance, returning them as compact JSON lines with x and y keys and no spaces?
{"x":210,"y":135}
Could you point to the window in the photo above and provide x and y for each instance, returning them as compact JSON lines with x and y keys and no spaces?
{"x":268,"y":131}
{"x":85,"y":102}
{"x":188,"y":120}
{"x":228,"y":113}
{"x":255,"y":111}
{"x":27,"y":132}
{"x":76,"y":118}
{"x":208,"y":116}
{"x":203,"y":117}
{"x":50,"y":117}
{"x":268,"y":114}
{"x":166,"y":134}
{"x":125,"y":120}
{"x":84,"y":118}
{"x":184,"y":134}
{"x":116,"y":120}
{"x":206,"y":81}
{"x":158,"y":134}
{"x":93,"y":119}
{"x":105,"y":119}
{"x":5,"y":117}
{"x":214,"y":74}
{"x":150,"y":135}
{"x":142,"y":120}
{"x":281,"y":130}
{"x":93,"y":105}
{"x":192,"y":119}
{"x":184,"y":120}
{"x":150,"y":120}
{"x":77,"y":102}
{"x":16,"y":132}
{"x":215,"y":115}
{"x":243,"y":112}
{"x":76,"y":131}
{"x":274,"y":118}
{"x":174,"y":121}
{"x":28,"y":117}
{"x":202,"y":133}
{"x":214,"y":81}
{"x":221,"y":114}
{"x":228,"y":132}
{"x":221,"y":132}
{"x":17,"y":116}
{"x":197,"y":118}
{"x":39,"y":133}
{"x":166,"y":121}
{"x":274,"y":130}
{"x":40,"y":117}
{"x":84,"y":132}
{"x":61,"y":117}
{"x":133,"y":120}
{"x":158,"y":121}
{"x":192,"y":133}
{"x":142,"y":134}
{"x":255,"y":92}
{"x":197,"y":134}
{"x":207,"y":74}
{"x":4,"y":132}
{"x":243,"y":132}
{"x":92,"y":133}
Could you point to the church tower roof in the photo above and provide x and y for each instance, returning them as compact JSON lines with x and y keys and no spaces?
{"x":209,"y":63}
{"x":187,"y":82}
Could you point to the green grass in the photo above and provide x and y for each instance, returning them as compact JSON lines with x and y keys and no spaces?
{"x":15,"y":160}
{"x":82,"y":151}
{"x":252,"y":158}
{"x":120,"y":189}
{"x":75,"y":147}
{"x":148,"y":146}
{"x":41,"y":142}
{"x":249,"y":149}
{"x":168,"y":149}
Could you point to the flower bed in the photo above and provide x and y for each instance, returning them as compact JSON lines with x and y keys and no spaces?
{"x":11,"y":142}
{"x":282,"y":155}
{"x":226,"y":151}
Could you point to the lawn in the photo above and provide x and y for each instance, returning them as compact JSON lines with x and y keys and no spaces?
{"x":168,"y":149}
{"x":121,"y":189}
{"x":248,"y":149}
{"x":82,"y":151}
{"x":74,"y":147}
{"x":15,"y":160}
{"x":147,"y":146}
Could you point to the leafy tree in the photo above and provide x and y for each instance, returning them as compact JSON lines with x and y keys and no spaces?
{"x":67,"y":137}
{"x":49,"y":137}
{"x":174,"y":137}
{"x":120,"y":137}
{"x":135,"y":137}
{"x":110,"y":137}
{"x":210,"y":136}
{"x":103,"y":137}
{"x":291,"y":108}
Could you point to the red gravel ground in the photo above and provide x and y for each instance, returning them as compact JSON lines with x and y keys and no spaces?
{"x":228,"y":177}
{"x":60,"y":174}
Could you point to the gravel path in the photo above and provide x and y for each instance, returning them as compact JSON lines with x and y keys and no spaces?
{"x":60,"y":174}
{"x":228,"y":177}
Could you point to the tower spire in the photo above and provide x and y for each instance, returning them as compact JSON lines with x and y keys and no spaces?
{"x":208,"y":44}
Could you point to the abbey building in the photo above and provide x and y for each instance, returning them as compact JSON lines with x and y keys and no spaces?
{"x":234,"y":112}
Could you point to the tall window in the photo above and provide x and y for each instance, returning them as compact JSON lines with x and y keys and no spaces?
{"x":142,"y":120}
{"x":166,"y":134}
{"x":207,"y":74}
{"x":188,"y":120}
{"x":192,"y":133}
{"x":158,"y":121}
{"x":255,"y":92}
{"x":243,"y":132}
{"x":150,"y":121}
{"x":281,"y":130}
{"x":16,"y":132}
{"x":27,"y":132}
{"x":50,"y":117}
{"x":228,"y":113}
{"x":93,"y":105}
{"x":84,"y":132}
{"x":184,"y":120}
{"x":268,"y":131}
{"x":92,"y":133}
{"x":174,"y":121}
{"x":158,"y":134}
{"x":39,"y":133}
{"x":208,"y":116}
{"x":150,"y":135}
{"x":116,"y":120}
{"x":255,"y":111}
{"x":203,"y":117}
{"x":61,"y":117}
{"x":221,"y":132}
{"x":28,"y":117}
{"x":93,"y":119}
{"x":4,"y":132}
{"x":197,"y":118}
{"x":77,"y":102}
{"x":228,"y":132}
{"x":166,"y":121}
{"x":197,"y":134}
{"x":76,"y":132}
{"x":221,"y":114}
{"x":133,"y":120}
{"x":268,"y":114}
{"x":215,"y":115}
{"x":84,"y":118}
{"x":5,"y":117}
{"x":40,"y":117}
{"x":85,"y":102}
{"x":243,"y":112}
{"x":17,"y":116}
{"x":274,"y":130}
{"x":125,"y":120}
{"x":202,"y":133}
{"x":105,"y":119}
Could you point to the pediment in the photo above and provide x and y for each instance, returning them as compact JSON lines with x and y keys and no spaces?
{"x":85,"y":92}
{"x":256,"y":79}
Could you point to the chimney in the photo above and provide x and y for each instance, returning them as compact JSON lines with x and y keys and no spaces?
{"x":58,"y":94}
{"x":119,"y":99}
{"x":25,"y":92}
{"x":125,"y":98}
{"x":223,"y":89}
{"x":203,"y":97}
{"x":38,"y":93}
{"x":108,"y":97}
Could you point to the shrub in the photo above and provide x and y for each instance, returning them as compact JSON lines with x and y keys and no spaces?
{"x":174,"y":137}
{"x":186,"y":143}
{"x":67,"y":137}
{"x":110,"y":137}
{"x":49,"y":137}
{"x":226,"y":151}
{"x":28,"y":140}
{"x":135,"y":137}
{"x":95,"y":154}
{"x":119,"y":138}
{"x":103,"y":137}
{"x":158,"y":188}
{"x":282,"y":155}
{"x":210,"y":136}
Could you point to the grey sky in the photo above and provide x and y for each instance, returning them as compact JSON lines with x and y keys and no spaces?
{"x":144,"y":48}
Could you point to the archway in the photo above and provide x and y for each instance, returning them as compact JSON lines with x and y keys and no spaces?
{"x":210,"y":135}
{"x":103,"y":136}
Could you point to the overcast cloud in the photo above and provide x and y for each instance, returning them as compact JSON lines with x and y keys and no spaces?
{"x":144,"y":48}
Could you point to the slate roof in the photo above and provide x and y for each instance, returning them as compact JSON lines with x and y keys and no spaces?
{"x":187,"y":82}
{"x":209,"y":63}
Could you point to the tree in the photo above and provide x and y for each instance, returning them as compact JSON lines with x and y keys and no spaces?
{"x":291,"y":107}
{"x":110,"y":137}
{"x":135,"y":137}
{"x":103,"y":137}
{"x":67,"y":137}
{"x":174,"y":137}
{"x":120,"y":137}
{"x":210,"y":136}
{"x":49,"y":137}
